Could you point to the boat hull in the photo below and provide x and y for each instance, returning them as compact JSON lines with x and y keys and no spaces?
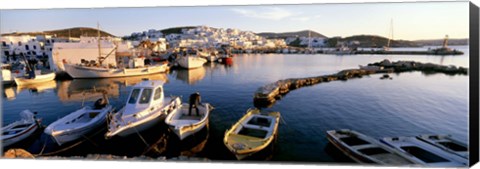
{"x":36,"y":80}
{"x":21,"y":136}
{"x":77,"y":71}
{"x":243,"y":146}
{"x":71,"y":134}
{"x":139,"y":125}
{"x":191,"y":62}
{"x":183,"y":131}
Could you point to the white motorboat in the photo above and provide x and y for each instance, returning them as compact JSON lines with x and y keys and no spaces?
{"x":190,"y":62}
{"x":252,"y":133}
{"x":447,"y":143}
{"x":79,"y":123}
{"x":145,"y":107}
{"x":82,"y":71}
{"x":21,"y":129}
{"x":40,"y":78}
{"x":424,"y":153}
{"x":183,"y":124}
{"x":366,"y":150}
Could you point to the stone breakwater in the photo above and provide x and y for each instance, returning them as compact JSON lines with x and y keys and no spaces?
{"x":267,"y":95}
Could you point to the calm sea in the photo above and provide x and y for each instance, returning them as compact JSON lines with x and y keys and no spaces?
{"x":410,"y":104}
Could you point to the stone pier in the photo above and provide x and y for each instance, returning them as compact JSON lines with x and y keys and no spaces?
{"x":267,"y":95}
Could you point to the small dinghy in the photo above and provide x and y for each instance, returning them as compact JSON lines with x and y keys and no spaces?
{"x":79,"y":123}
{"x":21,"y":129}
{"x":252,"y":133}
{"x":145,"y":107}
{"x":424,"y":153}
{"x":184,"y":125}
{"x":37,"y":79}
{"x":447,"y":143}
{"x":366,"y":150}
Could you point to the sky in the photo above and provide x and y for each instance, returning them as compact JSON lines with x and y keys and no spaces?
{"x":411,"y":21}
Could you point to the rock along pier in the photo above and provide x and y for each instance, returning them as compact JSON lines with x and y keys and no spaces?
{"x":267,"y":95}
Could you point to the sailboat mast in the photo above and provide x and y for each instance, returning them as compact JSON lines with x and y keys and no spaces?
{"x":390,"y":34}
{"x":99,"y":47}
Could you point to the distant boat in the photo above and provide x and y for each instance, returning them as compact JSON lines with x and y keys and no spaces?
{"x":252,"y":133}
{"x":21,"y":129}
{"x":145,"y":107}
{"x":190,"y":62}
{"x":424,"y":153}
{"x":41,"y":78}
{"x":366,"y":150}
{"x":184,"y":125}
{"x":79,"y":123}
{"x":447,"y":143}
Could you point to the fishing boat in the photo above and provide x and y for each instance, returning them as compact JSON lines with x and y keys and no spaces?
{"x":145,"y":107}
{"x":190,"y":62}
{"x":183,"y":124}
{"x":366,"y":150}
{"x":40,"y":78}
{"x":21,"y":129}
{"x":447,"y":143}
{"x":424,"y":153}
{"x":210,"y":57}
{"x":84,"y":71}
{"x":252,"y":133}
{"x":97,"y":69}
{"x":79,"y":123}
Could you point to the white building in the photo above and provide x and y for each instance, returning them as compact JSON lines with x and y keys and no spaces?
{"x":75,"y":52}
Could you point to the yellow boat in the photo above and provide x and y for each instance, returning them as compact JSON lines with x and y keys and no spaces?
{"x":252,"y":133}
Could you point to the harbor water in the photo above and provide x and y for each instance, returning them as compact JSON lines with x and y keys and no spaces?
{"x":410,"y":104}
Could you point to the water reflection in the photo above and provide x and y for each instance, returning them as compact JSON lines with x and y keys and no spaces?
{"x":191,"y":76}
{"x":9,"y":93}
{"x":38,"y":88}
{"x":74,"y":90}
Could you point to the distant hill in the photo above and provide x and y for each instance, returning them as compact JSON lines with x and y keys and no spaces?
{"x":284,"y":35}
{"x":69,"y":32}
{"x":372,"y":41}
{"x":439,"y":42}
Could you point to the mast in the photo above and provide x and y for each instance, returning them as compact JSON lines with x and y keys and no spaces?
{"x":99,"y":47}
{"x":390,"y":34}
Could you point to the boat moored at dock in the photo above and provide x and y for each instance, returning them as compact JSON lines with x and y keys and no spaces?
{"x":252,"y":133}
{"x":145,"y":107}
{"x":79,"y":123}
{"x":447,"y":143}
{"x":82,"y":71}
{"x":184,"y":124}
{"x":21,"y":129}
{"x":424,"y":153}
{"x":190,"y":62}
{"x":40,"y":78}
{"x":366,"y":150}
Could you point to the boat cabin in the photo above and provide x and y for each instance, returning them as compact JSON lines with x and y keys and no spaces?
{"x":145,"y":95}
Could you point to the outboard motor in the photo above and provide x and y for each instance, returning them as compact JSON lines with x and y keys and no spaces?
{"x":100,"y":103}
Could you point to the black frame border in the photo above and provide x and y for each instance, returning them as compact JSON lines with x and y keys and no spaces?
{"x":474,"y":84}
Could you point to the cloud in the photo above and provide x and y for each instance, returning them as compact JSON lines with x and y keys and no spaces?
{"x":265,"y":13}
{"x":303,"y":19}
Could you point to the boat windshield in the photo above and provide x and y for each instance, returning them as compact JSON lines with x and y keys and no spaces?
{"x":134,"y":96}
{"x":145,"y":97}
